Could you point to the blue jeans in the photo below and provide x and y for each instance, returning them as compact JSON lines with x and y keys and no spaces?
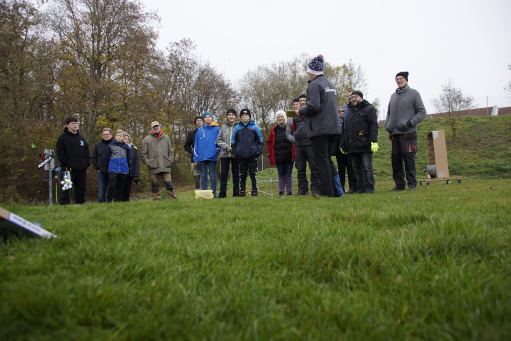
{"x":285,"y":168}
{"x":103,"y":185}
{"x":206,"y":166}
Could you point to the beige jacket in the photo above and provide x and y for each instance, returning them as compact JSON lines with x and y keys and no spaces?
{"x":157,"y":153}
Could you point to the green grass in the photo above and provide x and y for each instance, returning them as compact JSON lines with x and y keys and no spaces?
{"x":432,"y":264}
{"x":482,"y":149}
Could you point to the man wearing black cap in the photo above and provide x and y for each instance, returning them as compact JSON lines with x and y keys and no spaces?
{"x":189,"y":143}
{"x":405,"y":111}
{"x":296,"y":133}
{"x":227,"y":157}
{"x":360,"y":140}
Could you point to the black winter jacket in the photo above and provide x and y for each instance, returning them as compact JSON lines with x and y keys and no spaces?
{"x":73,"y":151}
{"x":361,"y":129}
{"x":133,"y":162}
{"x":321,"y":116}
{"x":190,"y":142}
{"x":298,"y":132}
{"x":98,"y":156}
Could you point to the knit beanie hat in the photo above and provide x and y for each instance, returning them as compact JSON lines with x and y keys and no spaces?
{"x":302,"y":96}
{"x":231,"y":111}
{"x":206,"y":113}
{"x":295,"y":100}
{"x":197,"y":118}
{"x":245,"y":111}
{"x":356,"y":92}
{"x":404,"y":74}
{"x":316,"y":65}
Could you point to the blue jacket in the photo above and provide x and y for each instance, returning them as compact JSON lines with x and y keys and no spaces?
{"x":247,"y":140}
{"x":117,"y":155}
{"x":205,"y":148}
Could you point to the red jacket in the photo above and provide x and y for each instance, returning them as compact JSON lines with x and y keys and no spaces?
{"x":270,"y":144}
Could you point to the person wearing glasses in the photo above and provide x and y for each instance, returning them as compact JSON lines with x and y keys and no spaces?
{"x":97,"y":158}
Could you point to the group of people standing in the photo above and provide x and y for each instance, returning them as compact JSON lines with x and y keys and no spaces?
{"x":239,"y":144}
{"x":319,"y":131}
{"x":116,"y":161}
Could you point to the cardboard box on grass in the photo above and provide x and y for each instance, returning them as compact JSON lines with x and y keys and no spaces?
{"x":13,"y":225}
{"x":437,"y":151}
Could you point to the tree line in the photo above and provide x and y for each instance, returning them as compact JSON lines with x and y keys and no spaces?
{"x":98,"y":60}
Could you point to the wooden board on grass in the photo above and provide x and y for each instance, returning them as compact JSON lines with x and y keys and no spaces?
{"x":11,"y":224}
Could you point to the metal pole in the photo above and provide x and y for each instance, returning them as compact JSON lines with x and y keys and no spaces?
{"x":486,"y":105}
{"x":50,"y":175}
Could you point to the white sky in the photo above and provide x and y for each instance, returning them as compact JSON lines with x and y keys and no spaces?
{"x":468,"y":41}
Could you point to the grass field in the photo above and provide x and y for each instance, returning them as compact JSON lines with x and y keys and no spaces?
{"x":433,"y":264}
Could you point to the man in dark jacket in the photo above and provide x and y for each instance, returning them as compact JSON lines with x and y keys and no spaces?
{"x":189,"y":144}
{"x":322,"y":125}
{"x":73,"y":154}
{"x":98,"y":156}
{"x":359,"y":140}
{"x":405,"y":112}
{"x":343,"y":163}
{"x":296,"y":133}
{"x":351,"y":173}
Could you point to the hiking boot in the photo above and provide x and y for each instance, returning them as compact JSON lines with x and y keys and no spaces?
{"x":289,"y":193}
{"x":411,"y":187}
{"x":302,"y":192}
{"x":253,"y":193}
{"x":243,"y":194}
{"x":396,"y":189}
{"x":281,"y":193}
{"x":351,"y":191}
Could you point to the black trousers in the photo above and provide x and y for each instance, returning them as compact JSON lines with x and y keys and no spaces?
{"x":344,"y":165}
{"x":323,"y":148}
{"x":127,"y":188}
{"x":251,"y":165}
{"x":363,"y":167}
{"x":303,"y":155}
{"x":79,"y":180}
{"x":404,"y":148}
{"x":115,"y":186}
{"x":224,"y":172}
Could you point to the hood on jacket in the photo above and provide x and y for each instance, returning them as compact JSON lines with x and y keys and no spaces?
{"x":361,"y":104}
{"x":249,"y":123}
{"x":213,"y":124}
{"x":70,"y":133}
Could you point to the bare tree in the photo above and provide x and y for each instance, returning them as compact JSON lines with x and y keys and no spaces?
{"x":452,"y":103}
{"x":98,"y":40}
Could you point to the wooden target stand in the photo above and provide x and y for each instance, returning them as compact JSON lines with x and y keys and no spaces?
{"x":437,"y":152}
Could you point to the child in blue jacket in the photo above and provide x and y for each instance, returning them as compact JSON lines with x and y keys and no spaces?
{"x":205,"y":151}
{"x":247,"y":146}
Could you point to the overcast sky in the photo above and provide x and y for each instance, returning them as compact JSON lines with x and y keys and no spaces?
{"x":468,"y":41}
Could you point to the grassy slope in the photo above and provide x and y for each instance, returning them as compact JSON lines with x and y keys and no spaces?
{"x":483,"y":149}
{"x":432,"y":264}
